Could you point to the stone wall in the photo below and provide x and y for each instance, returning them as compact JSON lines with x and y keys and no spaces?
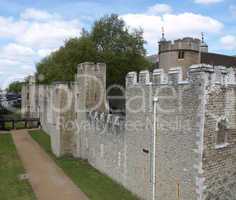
{"x":219,"y":160}
{"x":29,"y":102}
{"x":178,"y":114}
{"x":189,"y":164}
{"x":55,"y":110}
{"x":183,"y":153}
{"x":102,"y":144}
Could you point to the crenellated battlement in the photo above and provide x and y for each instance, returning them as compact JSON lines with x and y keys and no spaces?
{"x":88,"y":67}
{"x":216,"y":75}
{"x":186,"y":43}
{"x":31,"y":79}
{"x":194,"y":116}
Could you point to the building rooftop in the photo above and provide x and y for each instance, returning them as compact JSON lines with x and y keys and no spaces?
{"x":218,"y":59}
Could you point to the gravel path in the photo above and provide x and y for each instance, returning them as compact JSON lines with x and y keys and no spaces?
{"x":48,"y":181}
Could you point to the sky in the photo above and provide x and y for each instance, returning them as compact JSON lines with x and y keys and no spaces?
{"x":30,"y":30}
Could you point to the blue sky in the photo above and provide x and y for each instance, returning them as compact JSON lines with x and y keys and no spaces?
{"x":30,"y":30}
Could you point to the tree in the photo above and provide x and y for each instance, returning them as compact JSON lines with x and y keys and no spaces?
{"x":61,"y":65}
{"x":15,"y":87}
{"x":109,"y":41}
{"x":121,"y":50}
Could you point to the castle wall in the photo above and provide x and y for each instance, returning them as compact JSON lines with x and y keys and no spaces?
{"x":49,"y":118}
{"x":176,"y":141}
{"x":219,"y":161}
{"x":187,"y":159}
{"x":102,"y":144}
{"x":139,"y":139}
{"x":29,"y":100}
{"x":185,"y":163}
{"x":56,"y":112}
{"x":180,"y":107}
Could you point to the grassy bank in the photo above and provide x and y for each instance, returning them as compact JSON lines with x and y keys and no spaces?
{"x":96,"y":185}
{"x":10,"y":170}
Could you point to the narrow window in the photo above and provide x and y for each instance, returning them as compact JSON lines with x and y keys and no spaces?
{"x":221,"y":137}
{"x":181,"y":54}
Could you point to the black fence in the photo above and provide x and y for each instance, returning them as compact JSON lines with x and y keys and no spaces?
{"x":8,"y":124}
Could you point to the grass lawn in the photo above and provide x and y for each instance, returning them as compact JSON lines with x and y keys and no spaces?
{"x":18,"y":125}
{"x":96,"y":185}
{"x":11,"y":188}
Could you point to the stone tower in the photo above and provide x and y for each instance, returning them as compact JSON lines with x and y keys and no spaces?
{"x":180,"y":53}
{"x":29,"y":101}
{"x":89,"y":96}
{"x":91,"y":80}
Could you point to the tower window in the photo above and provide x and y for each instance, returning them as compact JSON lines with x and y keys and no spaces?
{"x":181,"y":54}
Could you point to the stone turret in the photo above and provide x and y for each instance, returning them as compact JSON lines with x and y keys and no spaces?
{"x":91,"y":79}
{"x":182,"y":53}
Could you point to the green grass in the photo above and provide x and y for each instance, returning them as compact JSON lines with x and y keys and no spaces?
{"x":18,"y":125}
{"x":11,"y":188}
{"x":94,"y":184}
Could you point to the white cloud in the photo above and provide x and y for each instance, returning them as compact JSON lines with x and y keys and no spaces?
{"x":30,"y":30}
{"x":44,"y":52}
{"x":6,"y":63}
{"x":176,"y":26}
{"x":9,"y":28}
{"x":228,"y":42}
{"x":35,"y":14}
{"x":159,"y":9}
{"x":32,"y":36}
{"x":15,"y":51}
{"x":36,"y":33}
{"x":50,"y":34}
{"x":16,"y":59}
{"x":207,"y":1}
{"x":27,"y":67}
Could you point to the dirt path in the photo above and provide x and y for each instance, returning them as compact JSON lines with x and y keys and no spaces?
{"x":47,"y":179}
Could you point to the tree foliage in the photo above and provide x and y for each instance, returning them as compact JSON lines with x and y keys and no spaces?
{"x":109,"y":41}
{"x":61,"y":65}
{"x":15,"y":87}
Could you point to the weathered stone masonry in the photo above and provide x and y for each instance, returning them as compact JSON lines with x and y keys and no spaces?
{"x":190,"y":116}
